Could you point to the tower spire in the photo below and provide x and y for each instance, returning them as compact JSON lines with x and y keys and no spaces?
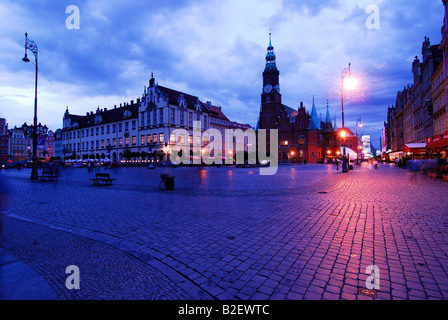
{"x":270,"y":56}
{"x":314,"y":121}
{"x":328,"y":118}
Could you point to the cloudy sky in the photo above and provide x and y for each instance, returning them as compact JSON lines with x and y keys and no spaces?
{"x":213,"y":49}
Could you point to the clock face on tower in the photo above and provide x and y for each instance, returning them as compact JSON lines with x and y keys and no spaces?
{"x":277,"y":88}
{"x":267,"y":88}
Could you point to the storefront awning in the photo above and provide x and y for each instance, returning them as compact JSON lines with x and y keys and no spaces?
{"x":415,"y":148}
{"x":438,"y":142}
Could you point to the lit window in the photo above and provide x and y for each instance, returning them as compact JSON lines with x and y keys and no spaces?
{"x":162,"y":138}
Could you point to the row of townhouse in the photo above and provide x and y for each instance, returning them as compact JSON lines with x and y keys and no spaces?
{"x":140,"y":128}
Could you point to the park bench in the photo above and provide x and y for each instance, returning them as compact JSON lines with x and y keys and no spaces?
{"x":47,"y":175}
{"x":102,"y":177}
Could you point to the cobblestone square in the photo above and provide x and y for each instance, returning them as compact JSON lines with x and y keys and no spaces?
{"x":308,"y":232}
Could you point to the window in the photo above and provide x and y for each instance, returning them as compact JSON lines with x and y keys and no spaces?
{"x":172,"y":138}
{"x":134,"y":124}
{"x":182,"y":116}
{"x":148,"y":118}
{"x":190,"y":140}
{"x":198,"y":140}
{"x":120,"y":142}
{"x":114,"y":128}
{"x":172,"y":116}
{"x":142,"y":140}
{"x":154,"y":138}
{"x":120,"y":127}
{"x":107,"y":129}
{"x":97,"y":130}
{"x":108,"y":142}
{"x":126,"y":126}
{"x":142,"y":119}
{"x":148,"y":138}
{"x":102,"y":130}
{"x":97,"y":144}
{"x":181,"y":138}
{"x":126,"y":141}
{"x":102,"y":144}
{"x":190,"y":119}
{"x":134,"y":140}
{"x":162,"y":138}
{"x":161,"y":116}
{"x":114,"y":142}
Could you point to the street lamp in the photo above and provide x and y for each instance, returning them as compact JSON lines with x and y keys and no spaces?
{"x":350,"y":83}
{"x":31,"y":45}
{"x":358,"y":125}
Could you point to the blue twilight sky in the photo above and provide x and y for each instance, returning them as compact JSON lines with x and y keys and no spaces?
{"x":214,"y":49}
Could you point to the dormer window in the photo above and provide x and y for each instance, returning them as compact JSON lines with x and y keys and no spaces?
{"x":127,"y":114}
{"x":98,"y":119}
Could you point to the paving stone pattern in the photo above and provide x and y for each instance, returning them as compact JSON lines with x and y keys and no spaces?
{"x":309,"y":232}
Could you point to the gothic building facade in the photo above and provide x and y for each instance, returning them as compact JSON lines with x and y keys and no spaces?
{"x":301,"y":136}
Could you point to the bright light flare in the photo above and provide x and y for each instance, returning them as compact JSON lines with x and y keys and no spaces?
{"x":350,"y":83}
{"x":343,"y":134}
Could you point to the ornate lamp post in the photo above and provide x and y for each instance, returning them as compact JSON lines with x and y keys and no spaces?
{"x":31,"y":45}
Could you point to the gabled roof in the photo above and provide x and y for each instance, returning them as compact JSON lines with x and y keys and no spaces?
{"x":107,"y":116}
{"x":237,"y":125}
{"x":174,"y":95}
{"x":217,"y":113}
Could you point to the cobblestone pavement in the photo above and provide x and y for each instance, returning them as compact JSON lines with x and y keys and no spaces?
{"x":309,"y":232}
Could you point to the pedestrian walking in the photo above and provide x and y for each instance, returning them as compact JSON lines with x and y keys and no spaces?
{"x":337,"y":164}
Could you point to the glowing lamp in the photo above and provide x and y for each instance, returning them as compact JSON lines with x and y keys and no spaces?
{"x":343,"y":134}
{"x":350,"y":83}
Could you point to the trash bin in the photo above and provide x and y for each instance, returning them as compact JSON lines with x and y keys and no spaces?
{"x":169,"y":182}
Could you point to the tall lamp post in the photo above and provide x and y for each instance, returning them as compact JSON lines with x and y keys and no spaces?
{"x":31,"y":45}
{"x":358,"y":125}
{"x":350,"y":84}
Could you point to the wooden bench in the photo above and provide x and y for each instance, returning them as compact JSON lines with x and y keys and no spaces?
{"x":47,"y":175}
{"x":102,"y":177}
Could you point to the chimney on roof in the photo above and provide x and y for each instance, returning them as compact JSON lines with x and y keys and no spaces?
{"x":91,"y":112}
{"x":115,"y":106}
{"x":132,"y":101}
{"x":120,"y":105}
{"x":105,"y":109}
{"x":138,"y":100}
{"x":220,"y":108}
{"x":209,"y":104}
{"x":151,"y":81}
{"x":87,"y":113}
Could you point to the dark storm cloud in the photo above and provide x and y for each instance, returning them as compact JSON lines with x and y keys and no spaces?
{"x":216,"y":50}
